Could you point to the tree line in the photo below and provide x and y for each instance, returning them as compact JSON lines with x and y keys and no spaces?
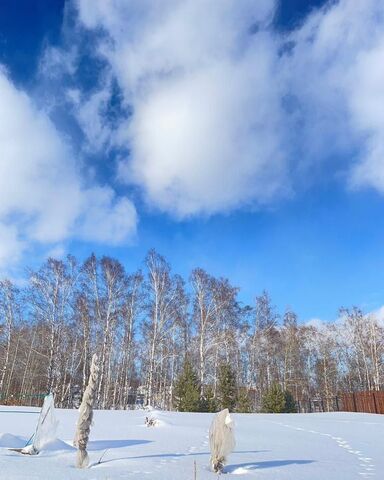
{"x":147,"y":325}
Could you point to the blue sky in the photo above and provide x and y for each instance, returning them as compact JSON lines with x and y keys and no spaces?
{"x":250,"y":144}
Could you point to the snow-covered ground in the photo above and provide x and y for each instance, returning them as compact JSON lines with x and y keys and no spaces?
{"x":335,"y":446}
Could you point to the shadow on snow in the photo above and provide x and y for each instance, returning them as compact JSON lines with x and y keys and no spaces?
{"x":108,"y":444}
{"x":37,"y":412}
{"x":177,"y":455}
{"x":267,"y":464}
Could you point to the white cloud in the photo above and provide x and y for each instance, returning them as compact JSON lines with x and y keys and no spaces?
{"x":43,"y":198}
{"x":378,"y":315}
{"x":56,"y":61}
{"x":11,"y":246}
{"x":90,"y":116}
{"x":227,"y":112}
{"x":367,"y":101}
{"x":106,"y":219}
{"x":222,"y":118}
{"x":207,"y":133}
{"x":317,"y":323}
{"x":57,"y":251}
{"x":335,"y":72}
{"x":200,"y":145}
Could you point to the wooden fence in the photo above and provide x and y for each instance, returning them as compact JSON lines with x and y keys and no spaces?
{"x":368,"y":402}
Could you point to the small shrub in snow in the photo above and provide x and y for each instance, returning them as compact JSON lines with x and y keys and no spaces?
{"x":150,"y":422}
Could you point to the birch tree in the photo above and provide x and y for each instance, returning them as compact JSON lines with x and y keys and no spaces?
{"x":8,"y":311}
{"x":161,"y":305}
{"x":51,"y":289}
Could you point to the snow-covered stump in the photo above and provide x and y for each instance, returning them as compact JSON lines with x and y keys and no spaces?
{"x":221,"y":439}
{"x":85,"y":416}
{"x":45,"y":429}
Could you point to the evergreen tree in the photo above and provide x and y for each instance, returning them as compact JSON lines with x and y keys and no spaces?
{"x":244,"y":404}
{"x":209,"y":403}
{"x":227,"y":391}
{"x":274,"y":400}
{"x":187,"y":390}
{"x":290,"y":404}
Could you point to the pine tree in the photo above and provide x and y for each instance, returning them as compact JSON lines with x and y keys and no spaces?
{"x":227,"y":391}
{"x":274,"y":400}
{"x":290,"y":404}
{"x":209,"y":403}
{"x":187,"y":390}
{"x":244,"y":404}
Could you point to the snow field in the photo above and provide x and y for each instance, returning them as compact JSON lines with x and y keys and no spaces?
{"x":334,"y":446}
